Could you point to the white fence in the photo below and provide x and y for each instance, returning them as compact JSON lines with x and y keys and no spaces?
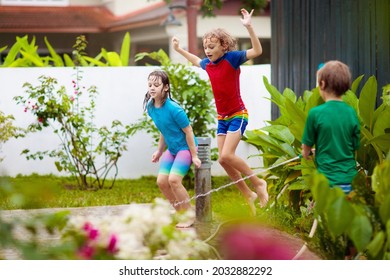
{"x":121,"y":92}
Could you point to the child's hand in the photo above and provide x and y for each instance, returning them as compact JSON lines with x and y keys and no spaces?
{"x":246,"y":17}
{"x":196,"y":162}
{"x":175,"y":43}
{"x":156,"y":156}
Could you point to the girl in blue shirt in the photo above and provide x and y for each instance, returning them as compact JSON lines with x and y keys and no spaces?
{"x":177,"y":146}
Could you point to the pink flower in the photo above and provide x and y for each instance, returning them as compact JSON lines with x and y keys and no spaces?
{"x":111,"y":248}
{"x":25,"y":109}
{"x":92,"y":233}
{"x":87,"y":226}
{"x":86,"y":252}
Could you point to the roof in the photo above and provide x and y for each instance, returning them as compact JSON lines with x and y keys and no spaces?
{"x":75,"y":19}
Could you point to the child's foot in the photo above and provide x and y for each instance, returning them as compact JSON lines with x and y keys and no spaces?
{"x":186,"y":224}
{"x":262,"y":193}
{"x":251,"y":202}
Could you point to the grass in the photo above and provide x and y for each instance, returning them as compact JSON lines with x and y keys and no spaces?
{"x":49,"y":191}
{"x":36,"y":191}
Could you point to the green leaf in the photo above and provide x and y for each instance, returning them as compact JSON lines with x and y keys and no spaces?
{"x":3,"y":48}
{"x":56,"y":58}
{"x":384,"y":209}
{"x":68,"y":60}
{"x":381,"y":120}
{"x":280,"y":132}
{"x":355,"y":84}
{"x":13,"y":52}
{"x":367,"y":102}
{"x":313,"y":100}
{"x":37,"y":61}
{"x":321,"y":192}
{"x":112,"y":58}
{"x":276,"y":96}
{"x":351,"y":99}
{"x":94,"y":61}
{"x":297,"y":117}
{"x":376,"y":245}
{"x":339,"y":214}
{"x":360,"y":232}
{"x":125,"y":50}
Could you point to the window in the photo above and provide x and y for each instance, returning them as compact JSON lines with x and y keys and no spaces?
{"x":34,"y":3}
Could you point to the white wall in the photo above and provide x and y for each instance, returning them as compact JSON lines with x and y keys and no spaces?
{"x":121,"y":92}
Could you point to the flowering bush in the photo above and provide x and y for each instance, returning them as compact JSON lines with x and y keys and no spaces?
{"x":140,"y":232}
{"x":87,"y":152}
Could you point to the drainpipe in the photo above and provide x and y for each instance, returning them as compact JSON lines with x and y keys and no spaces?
{"x":192,"y":13}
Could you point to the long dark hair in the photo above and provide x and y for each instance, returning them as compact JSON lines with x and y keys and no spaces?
{"x":165,"y":81}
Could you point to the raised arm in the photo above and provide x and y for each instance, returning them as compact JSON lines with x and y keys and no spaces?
{"x":256,"y":49}
{"x":195,"y":60}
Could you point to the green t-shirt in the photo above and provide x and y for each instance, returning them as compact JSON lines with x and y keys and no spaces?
{"x":334,"y":129}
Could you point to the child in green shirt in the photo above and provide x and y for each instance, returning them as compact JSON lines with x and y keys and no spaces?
{"x":333,"y":128}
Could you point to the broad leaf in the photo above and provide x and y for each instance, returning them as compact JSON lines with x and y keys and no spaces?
{"x":367,"y":101}
{"x":339,"y":215}
{"x":125,"y":50}
{"x":360,"y":232}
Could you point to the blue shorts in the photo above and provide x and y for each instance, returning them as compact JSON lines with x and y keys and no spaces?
{"x":178,"y":164}
{"x":346,"y":188}
{"x":234,"y":123}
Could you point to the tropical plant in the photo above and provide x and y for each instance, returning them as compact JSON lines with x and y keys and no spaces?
{"x":281,"y":141}
{"x":25,"y":54}
{"x":350,"y":221}
{"x":87,"y":152}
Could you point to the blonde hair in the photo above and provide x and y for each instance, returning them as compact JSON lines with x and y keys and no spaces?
{"x":226,"y":40}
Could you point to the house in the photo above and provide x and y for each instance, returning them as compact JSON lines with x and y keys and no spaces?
{"x":105,"y":22}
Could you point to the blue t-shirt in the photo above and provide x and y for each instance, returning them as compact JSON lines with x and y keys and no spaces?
{"x":170,"y":119}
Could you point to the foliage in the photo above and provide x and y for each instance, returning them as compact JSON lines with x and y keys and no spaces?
{"x":7,"y":129}
{"x":25,"y":54}
{"x":140,"y":232}
{"x":349,"y":218}
{"x":281,"y":141}
{"x":87,"y":152}
{"x":208,"y":7}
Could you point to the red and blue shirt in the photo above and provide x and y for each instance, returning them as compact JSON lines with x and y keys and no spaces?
{"x":224,"y":76}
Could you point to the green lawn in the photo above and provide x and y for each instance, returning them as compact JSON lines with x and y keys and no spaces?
{"x":49,"y":191}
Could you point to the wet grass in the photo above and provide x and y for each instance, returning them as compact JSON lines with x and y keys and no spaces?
{"x":37,"y":191}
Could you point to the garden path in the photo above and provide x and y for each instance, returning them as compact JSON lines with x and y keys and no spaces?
{"x":290,"y":243}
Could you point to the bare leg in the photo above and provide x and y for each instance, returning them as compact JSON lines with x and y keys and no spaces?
{"x":227,"y":146}
{"x":182,"y":197}
{"x":165,"y":188}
